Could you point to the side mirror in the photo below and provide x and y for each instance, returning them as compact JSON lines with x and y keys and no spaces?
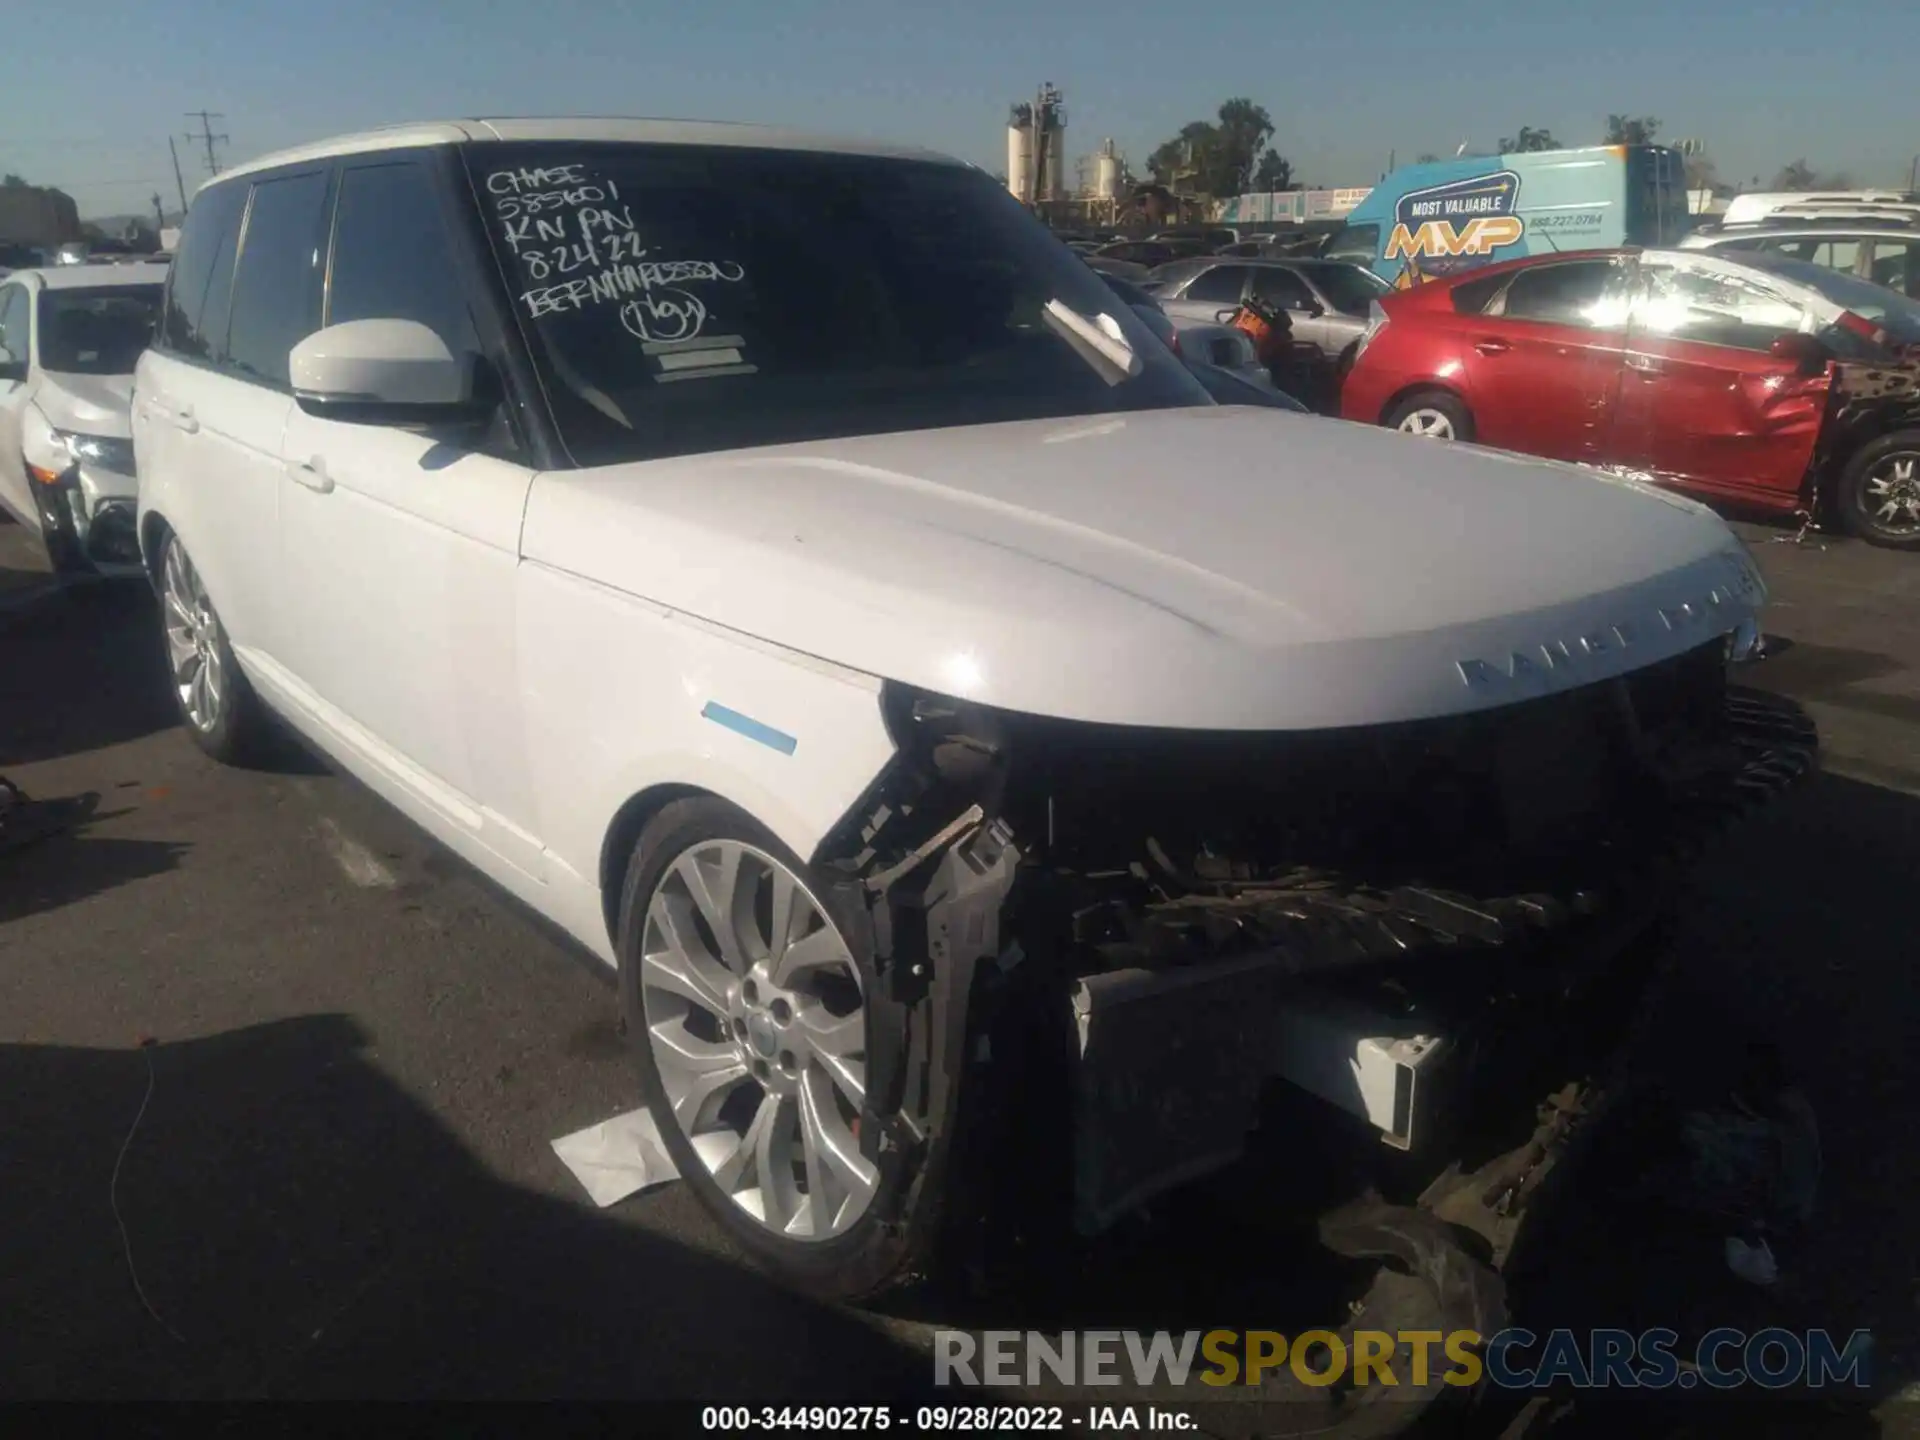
{"x":1313,"y":309}
{"x":10,"y":368}
{"x":382,"y":372}
{"x":1805,"y":352}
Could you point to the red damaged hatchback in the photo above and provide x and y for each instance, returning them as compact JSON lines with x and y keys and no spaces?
{"x":1702,"y":372}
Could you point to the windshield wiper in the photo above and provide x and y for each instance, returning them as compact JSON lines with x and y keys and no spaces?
{"x":1099,"y":340}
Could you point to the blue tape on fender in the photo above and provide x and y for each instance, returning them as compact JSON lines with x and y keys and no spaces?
{"x":746,"y":725}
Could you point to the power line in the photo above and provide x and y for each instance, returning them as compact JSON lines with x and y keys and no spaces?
{"x":206,"y":135}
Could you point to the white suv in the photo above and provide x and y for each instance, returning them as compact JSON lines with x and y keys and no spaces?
{"x":789,"y":569}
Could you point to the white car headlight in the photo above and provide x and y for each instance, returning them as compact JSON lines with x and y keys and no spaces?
{"x":110,"y":452}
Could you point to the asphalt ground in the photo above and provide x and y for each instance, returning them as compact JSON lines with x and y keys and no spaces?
{"x":341,"y":1184}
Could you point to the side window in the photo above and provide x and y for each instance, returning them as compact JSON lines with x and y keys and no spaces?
{"x":1712,"y":308}
{"x":202,"y":268}
{"x":1896,"y":265}
{"x":1358,"y":243}
{"x":15,"y":308}
{"x":1560,"y":294}
{"x":1471,"y":297}
{"x":1282,"y":288}
{"x":276,"y":302}
{"x":391,"y":256}
{"x":1223,"y":283}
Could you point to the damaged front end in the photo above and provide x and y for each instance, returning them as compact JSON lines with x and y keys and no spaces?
{"x":1147,"y":926}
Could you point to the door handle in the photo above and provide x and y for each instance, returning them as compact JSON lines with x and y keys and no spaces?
{"x":1645,"y":364}
{"x":313,"y":475}
{"x":1492,"y":347}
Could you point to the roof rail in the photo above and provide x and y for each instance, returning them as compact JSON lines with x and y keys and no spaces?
{"x":1821,"y":219}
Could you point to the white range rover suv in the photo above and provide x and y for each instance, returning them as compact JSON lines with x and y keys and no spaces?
{"x":788,"y":568}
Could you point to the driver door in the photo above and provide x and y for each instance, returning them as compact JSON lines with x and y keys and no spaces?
{"x":399,"y":547}
{"x":1704,"y":402}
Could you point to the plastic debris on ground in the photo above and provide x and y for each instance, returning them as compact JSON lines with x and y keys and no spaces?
{"x":617,"y":1158}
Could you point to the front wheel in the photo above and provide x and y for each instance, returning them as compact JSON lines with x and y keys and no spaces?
{"x":1879,"y":493}
{"x":220,"y":710}
{"x":1432,"y":415}
{"x":747,"y":1007}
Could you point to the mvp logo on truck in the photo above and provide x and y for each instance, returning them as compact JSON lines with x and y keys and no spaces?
{"x":1448,"y":228}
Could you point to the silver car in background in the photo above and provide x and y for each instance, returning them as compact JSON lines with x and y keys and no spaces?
{"x":1327,"y":300}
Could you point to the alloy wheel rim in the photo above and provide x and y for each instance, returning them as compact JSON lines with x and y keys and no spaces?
{"x":1429,"y":424}
{"x":757,"y":1026}
{"x":1891,"y":496}
{"x":193,"y":642}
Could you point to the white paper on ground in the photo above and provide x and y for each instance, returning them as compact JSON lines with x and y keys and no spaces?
{"x":617,"y":1157}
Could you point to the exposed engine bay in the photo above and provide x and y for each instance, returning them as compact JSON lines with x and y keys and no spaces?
{"x":1185,"y":916}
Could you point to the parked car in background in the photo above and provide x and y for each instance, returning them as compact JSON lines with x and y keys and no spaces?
{"x":1714,"y":376}
{"x":1211,"y":236}
{"x":1207,"y":347}
{"x":70,"y":337}
{"x":1126,"y":270}
{"x":1758,"y":205}
{"x":1327,"y":301}
{"x":1152,"y":252}
{"x":1883,"y":251}
{"x":867,"y":640}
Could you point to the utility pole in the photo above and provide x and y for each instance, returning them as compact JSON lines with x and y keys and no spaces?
{"x":206,"y":135}
{"x":174,"y":151}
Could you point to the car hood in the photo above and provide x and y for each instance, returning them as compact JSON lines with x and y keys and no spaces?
{"x":90,"y":404}
{"x":1224,"y":567}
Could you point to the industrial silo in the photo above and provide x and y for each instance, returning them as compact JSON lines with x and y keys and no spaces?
{"x":1020,"y":153}
{"x":1106,"y":172}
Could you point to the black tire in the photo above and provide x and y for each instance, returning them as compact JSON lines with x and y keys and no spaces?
{"x":1857,"y":506}
{"x":1437,"y":401}
{"x":887,"y":1243}
{"x":240,"y":721}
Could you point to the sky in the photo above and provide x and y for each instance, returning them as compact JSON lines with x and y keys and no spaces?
{"x":1350,"y":86}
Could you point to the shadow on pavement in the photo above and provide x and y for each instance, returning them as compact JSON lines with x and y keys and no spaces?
{"x":86,"y":668}
{"x":309,"y":1231}
{"x":79,"y":671}
{"x":70,"y":865}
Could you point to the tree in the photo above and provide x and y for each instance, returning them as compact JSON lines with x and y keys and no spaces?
{"x":1802,"y":176}
{"x":1427,"y":159}
{"x":1631,"y":129}
{"x":13,"y":182}
{"x":1274,"y":172}
{"x":1244,"y":129}
{"x":1528,"y":139}
{"x":1215,"y":157}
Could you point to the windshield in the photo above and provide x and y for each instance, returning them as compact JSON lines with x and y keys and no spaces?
{"x":1355,"y":243}
{"x":1348,"y":288}
{"x":1894,"y":313}
{"x":96,"y":332}
{"x":681,"y":299}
